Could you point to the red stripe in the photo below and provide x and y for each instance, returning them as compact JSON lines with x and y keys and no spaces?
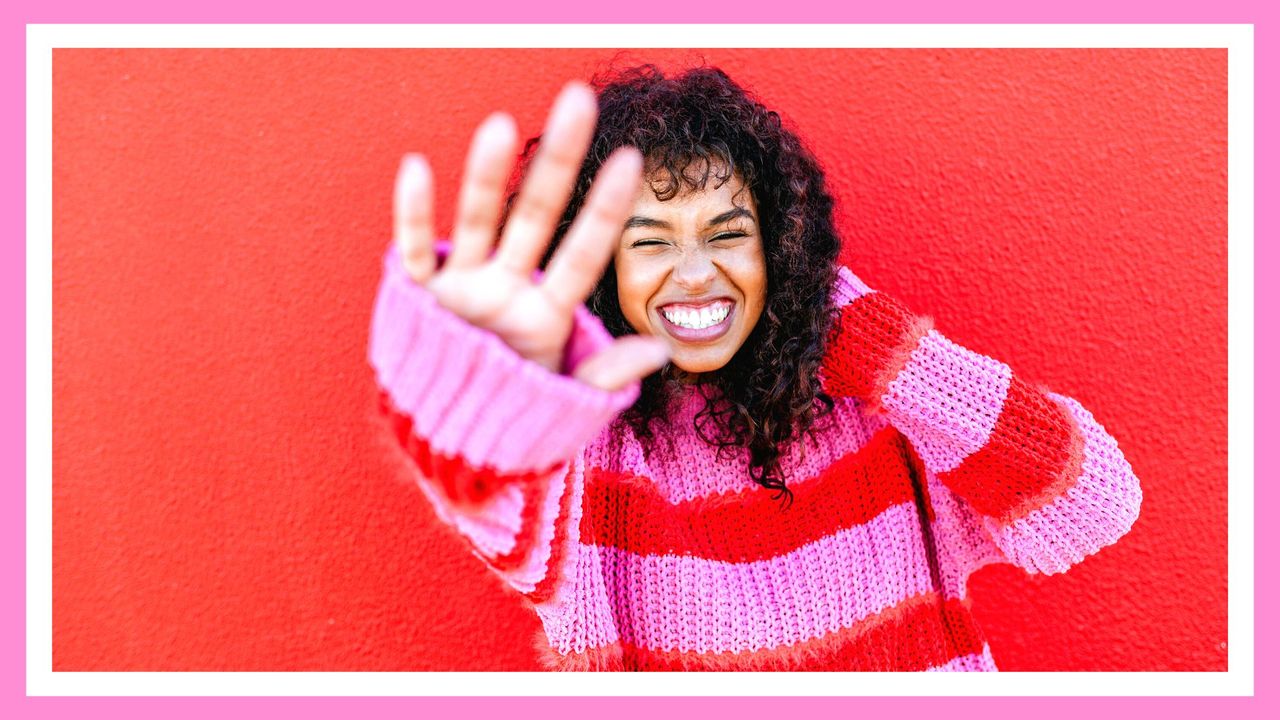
{"x":872,"y":340}
{"x":1034,"y":454}
{"x":918,"y":634}
{"x":460,"y":482}
{"x":748,"y":525}
{"x":463,"y":484}
{"x":546,"y":587}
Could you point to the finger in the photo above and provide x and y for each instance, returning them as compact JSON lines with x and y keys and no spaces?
{"x":629,"y":359}
{"x":582,"y":257}
{"x":547,"y":188}
{"x":414,"y":224}
{"x":484,"y":182}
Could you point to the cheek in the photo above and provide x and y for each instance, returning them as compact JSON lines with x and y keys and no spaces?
{"x":753,"y":284}
{"x":760,"y":286}
{"x":752,"y":280}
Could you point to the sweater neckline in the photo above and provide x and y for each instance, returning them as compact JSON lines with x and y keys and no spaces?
{"x":688,"y":400}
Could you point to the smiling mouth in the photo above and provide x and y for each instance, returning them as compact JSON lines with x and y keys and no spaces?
{"x":697,"y":317}
{"x":694,"y":323}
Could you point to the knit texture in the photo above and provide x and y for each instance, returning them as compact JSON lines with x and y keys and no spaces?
{"x":665,"y":556}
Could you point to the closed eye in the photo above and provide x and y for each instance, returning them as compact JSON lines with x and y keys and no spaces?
{"x":643,"y":243}
{"x":728,"y":236}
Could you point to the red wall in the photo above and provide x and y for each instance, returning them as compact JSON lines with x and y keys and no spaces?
{"x":222,"y":500}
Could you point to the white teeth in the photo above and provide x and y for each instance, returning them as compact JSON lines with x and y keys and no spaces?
{"x":698,"y":319}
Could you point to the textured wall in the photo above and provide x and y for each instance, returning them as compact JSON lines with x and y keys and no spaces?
{"x":223,"y":502}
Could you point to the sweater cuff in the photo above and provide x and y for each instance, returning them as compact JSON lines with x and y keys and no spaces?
{"x":470,"y":396}
{"x":1094,"y":511}
{"x":873,"y":340}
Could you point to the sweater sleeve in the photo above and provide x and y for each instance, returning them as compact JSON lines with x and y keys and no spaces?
{"x":1035,"y":470}
{"x":496,"y":439}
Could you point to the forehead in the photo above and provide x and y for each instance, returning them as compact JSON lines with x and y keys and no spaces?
{"x":713,"y":198}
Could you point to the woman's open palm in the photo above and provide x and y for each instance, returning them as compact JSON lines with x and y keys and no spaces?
{"x":496,"y":290}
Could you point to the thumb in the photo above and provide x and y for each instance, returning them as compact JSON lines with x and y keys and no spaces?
{"x":628,"y":359}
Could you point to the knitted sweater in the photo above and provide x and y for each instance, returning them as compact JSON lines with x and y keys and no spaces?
{"x":935,"y":461}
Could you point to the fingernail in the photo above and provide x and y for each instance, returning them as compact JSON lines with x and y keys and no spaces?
{"x":574,"y":92}
{"x":577,"y":86}
{"x":413,"y":166}
{"x":499,"y":126}
{"x":630,"y":154}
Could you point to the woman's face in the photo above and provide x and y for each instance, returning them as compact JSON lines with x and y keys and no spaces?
{"x":691,"y":270}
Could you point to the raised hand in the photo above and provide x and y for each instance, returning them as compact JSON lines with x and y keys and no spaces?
{"x":496,"y":291}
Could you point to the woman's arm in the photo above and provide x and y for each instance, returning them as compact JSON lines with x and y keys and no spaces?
{"x":491,"y":434}
{"x":495,"y":376}
{"x":1046,"y":480}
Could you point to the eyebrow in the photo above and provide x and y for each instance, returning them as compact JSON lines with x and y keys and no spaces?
{"x":640,"y":221}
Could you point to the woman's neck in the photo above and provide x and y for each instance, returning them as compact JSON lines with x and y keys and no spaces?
{"x":686,"y":378}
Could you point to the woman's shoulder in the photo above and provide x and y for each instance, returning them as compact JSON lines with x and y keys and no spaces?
{"x":845,"y":430}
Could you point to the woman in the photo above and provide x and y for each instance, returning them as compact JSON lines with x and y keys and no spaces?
{"x":621,"y":467}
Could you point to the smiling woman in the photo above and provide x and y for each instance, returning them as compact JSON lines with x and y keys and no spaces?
{"x":615,"y":466}
{"x":712,"y":153}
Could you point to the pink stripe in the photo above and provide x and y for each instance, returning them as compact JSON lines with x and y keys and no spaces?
{"x":849,"y":287}
{"x":490,"y":439}
{"x":691,"y":470}
{"x":458,"y":390}
{"x":403,"y":359}
{"x":706,"y":606}
{"x":946,"y":400}
{"x":1095,"y":512}
{"x":391,"y":329}
{"x":387,"y":341}
{"x":562,"y":420}
{"x":492,"y":527}
{"x":977,"y":662}
{"x":578,"y":615}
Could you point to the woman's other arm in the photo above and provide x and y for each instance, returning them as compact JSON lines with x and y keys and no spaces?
{"x":1048,"y":482}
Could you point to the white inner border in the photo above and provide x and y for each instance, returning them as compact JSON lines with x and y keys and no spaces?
{"x":41,"y":39}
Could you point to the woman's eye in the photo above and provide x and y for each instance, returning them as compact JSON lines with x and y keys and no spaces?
{"x":728,"y":236}
{"x":643,"y":243}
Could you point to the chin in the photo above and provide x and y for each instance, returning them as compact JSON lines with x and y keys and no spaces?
{"x":698,"y":366}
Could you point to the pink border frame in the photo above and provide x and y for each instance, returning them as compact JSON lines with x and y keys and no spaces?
{"x":13,"y":700}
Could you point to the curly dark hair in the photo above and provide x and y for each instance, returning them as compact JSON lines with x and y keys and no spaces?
{"x":699,"y":127}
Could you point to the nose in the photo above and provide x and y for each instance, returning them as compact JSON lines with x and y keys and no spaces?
{"x":694,"y":272}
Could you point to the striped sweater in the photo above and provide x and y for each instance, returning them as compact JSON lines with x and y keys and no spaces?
{"x":934,"y":462}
